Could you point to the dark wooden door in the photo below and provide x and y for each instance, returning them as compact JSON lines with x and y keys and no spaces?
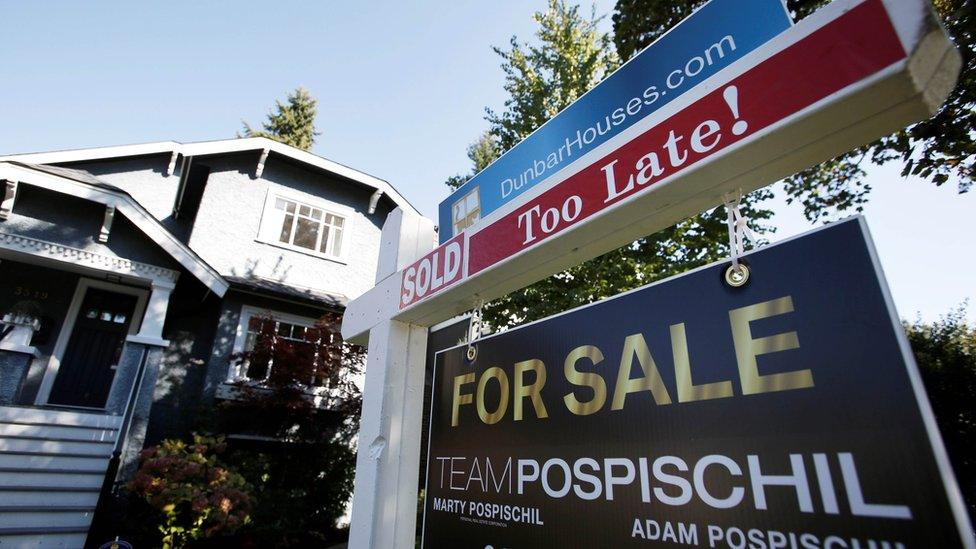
{"x":88,"y":366}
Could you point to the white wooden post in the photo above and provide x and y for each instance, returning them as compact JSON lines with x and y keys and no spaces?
{"x":384,"y":511}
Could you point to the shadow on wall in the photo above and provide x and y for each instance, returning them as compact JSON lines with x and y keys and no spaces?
{"x":279,"y":272}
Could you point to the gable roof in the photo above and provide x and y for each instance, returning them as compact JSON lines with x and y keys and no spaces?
{"x":86,"y":186}
{"x":204,"y":148}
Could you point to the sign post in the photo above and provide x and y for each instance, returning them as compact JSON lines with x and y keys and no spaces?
{"x":846,"y":75}
{"x":385,"y":505}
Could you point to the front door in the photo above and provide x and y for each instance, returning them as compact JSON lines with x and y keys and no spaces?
{"x":88,"y":367}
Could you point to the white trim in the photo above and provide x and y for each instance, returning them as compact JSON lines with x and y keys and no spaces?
{"x":9,"y":190}
{"x":270,"y":226}
{"x":212,"y":148}
{"x":247,"y":312}
{"x":131,"y":209}
{"x":87,"y":258}
{"x":145,"y":340}
{"x":18,"y":348}
{"x":54,"y":362}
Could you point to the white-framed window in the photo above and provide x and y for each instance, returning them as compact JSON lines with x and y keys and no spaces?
{"x":254,"y":322}
{"x":306,"y":225}
{"x":467,"y":211}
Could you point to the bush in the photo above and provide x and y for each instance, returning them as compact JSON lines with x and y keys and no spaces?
{"x":946,"y":354}
{"x":300,"y":424}
{"x":194,"y":494}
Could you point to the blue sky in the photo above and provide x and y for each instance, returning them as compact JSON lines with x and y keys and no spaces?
{"x":402,"y":88}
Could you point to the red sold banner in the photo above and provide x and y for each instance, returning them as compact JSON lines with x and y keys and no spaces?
{"x":433,"y":272}
{"x":852,"y":47}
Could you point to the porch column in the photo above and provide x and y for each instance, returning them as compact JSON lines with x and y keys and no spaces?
{"x":151,"y":330}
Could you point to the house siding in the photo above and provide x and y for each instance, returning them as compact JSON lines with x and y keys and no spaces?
{"x":198,"y":360}
{"x":226,"y":229}
{"x":55,"y":217}
{"x":145,"y":179}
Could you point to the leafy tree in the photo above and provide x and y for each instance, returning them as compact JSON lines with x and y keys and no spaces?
{"x":301,"y":422}
{"x":934,"y":149}
{"x":569,"y":56}
{"x":292,"y":123}
{"x":946,"y":355}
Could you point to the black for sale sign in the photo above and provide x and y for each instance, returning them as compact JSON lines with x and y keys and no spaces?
{"x":787,"y":413}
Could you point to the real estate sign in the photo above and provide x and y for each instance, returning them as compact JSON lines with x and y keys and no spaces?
{"x":786,"y":413}
{"x":719,"y":33}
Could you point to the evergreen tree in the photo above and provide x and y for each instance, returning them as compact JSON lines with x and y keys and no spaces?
{"x":569,"y":56}
{"x":292,"y":123}
{"x":935,"y":149}
{"x":946,"y":354}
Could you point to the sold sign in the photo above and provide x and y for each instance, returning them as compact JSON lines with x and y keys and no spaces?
{"x":433,"y":272}
{"x":845,"y":75}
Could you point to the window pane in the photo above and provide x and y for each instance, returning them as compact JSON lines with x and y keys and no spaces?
{"x":316,"y":213}
{"x":249,"y":341}
{"x":306,"y":233}
{"x":324,"y":247}
{"x":337,"y":241}
{"x":338,"y":221}
{"x":286,"y":229}
{"x":257,"y":369}
{"x":304,"y":210}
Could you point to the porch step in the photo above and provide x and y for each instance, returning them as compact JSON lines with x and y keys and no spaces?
{"x":31,"y":517}
{"x":52,"y":478}
{"x":56,"y":461}
{"x":24,"y":414}
{"x":70,"y":537}
{"x":52,"y":467}
{"x":52,"y":431}
{"x":37,"y":445}
{"x":45,"y":497}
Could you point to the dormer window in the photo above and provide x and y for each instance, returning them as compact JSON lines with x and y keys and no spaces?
{"x":309,"y":227}
{"x":305,"y":225}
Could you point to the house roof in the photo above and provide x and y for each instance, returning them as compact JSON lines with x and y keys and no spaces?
{"x":86,"y":186}
{"x":278,"y":289}
{"x":205,"y":148}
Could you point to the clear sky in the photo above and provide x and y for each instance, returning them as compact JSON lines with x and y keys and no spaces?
{"x":402,"y":88}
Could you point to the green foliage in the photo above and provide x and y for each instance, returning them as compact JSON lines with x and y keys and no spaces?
{"x":484,"y":151}
{"x":570,"y":55}
{"x":936,"y":149}
{"x":946,"y":356}
{"x":292,"y":123}
{"x":301,"y":422}
{"x":197,"y":495}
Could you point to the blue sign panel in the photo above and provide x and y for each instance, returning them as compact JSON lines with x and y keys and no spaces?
{"x":719,"y":33}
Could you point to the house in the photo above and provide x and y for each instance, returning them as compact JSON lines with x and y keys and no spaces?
{"x":130,"y":275}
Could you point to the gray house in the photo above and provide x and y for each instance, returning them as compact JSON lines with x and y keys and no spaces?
{"x":130,"y":275}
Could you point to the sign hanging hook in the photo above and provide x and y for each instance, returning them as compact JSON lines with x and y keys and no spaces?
{"x":475,"y":327}
{"x":738,"y":273}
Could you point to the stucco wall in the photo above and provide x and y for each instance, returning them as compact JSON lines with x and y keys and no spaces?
{"x":198,"y":360}
{"x":145,"y":179}
{"x":229,"y":219}
{"x":64,"y":219}
{"x":226,"y":227}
